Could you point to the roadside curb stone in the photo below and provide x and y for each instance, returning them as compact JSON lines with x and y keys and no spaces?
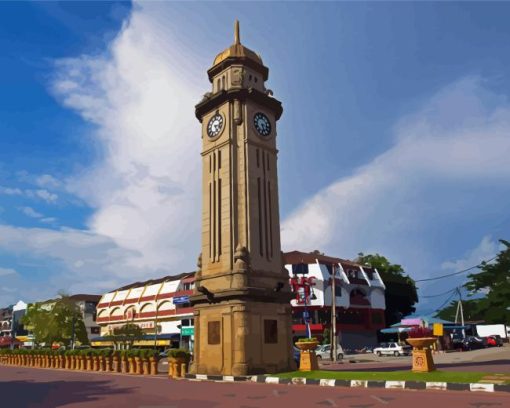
{"x":324,"y":382}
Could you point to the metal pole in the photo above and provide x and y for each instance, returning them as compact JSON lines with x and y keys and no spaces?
{"x":333,"y":313}
{"x":307,"y":320}
{"x":73,"y":332}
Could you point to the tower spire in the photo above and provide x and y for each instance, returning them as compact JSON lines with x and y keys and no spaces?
{"x":237,"y":36}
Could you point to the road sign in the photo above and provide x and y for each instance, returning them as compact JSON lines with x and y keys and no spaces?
{"x":180,"y":300}
{"x":187,"y":331}
{"x":438,"y":329}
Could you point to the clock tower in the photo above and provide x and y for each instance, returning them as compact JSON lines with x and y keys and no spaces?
{"x":241,"y":299}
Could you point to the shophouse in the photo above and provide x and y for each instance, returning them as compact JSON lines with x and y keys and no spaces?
{"x":159,"y":306}
{"x":359,"y":298}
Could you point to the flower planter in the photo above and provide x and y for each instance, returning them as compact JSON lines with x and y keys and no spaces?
{"x":139,"y":365}
{"x":308,"y":359}
{"x":132,"y":365}
{"x":153,"y":363}
{"x":108,"y":364}
{"x":146,"y":366}
{"x":95,"y":363}
{"x":422,"y":355}
{"x":177,"y":367}
{"x":124,"y":365}
{"x":116,"y":364}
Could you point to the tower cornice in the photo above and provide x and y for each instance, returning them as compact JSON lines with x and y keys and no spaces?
{"x":243,"y":94}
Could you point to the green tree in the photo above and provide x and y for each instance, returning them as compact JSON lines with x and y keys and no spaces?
{"x":38,"y":321}
{"x":494,"y":281}
{"x":400,"y":294}
{"x":53,"y":322}
{"x":470,"y":309}
{"x":125,"y":335}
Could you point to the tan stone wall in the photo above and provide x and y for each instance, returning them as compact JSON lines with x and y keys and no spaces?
{"x":242,"y":349}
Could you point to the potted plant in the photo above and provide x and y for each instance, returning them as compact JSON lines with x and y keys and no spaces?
{"x":308,"y":359}
{"x":124,"y":363}
{"x":95,"y":358}
{"x":153,"y":362}
{"x":116,"y":361}
{"x":132,"y":362}
{"x":421,"y":339}
{"x":139,"y":357}
{"x":107,"y":359}
{"x":144,"y":357}
{"x":178,"y":360}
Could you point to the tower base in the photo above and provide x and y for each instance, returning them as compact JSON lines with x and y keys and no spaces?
{"x":242,"y":337}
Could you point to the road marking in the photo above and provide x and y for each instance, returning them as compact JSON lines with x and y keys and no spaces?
{"x":481,"y":387}
{"x":379,"y":399}
{"x":328,"y":401}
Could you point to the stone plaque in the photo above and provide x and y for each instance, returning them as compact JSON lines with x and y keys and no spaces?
{"x":213,"y":332}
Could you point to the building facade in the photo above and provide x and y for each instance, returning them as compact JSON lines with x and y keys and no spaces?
{"x":359,"y":299}
{"x":160,"y":307}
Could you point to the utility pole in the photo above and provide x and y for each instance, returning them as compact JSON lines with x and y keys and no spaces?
{"x":460,"y":311}
{"x":333,"y":313}
{"x":73,"y":332}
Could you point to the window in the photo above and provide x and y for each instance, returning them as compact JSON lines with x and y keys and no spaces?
{"x":185,"y":322}
{"x":338,"y":291}
{"x":270,"y":331}
{"x":213,"y":332}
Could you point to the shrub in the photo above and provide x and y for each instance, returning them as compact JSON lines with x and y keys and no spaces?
{"x":179,"y":353}
{"x":307,"y":339}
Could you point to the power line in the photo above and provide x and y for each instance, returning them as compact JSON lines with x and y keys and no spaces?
{"x":455,"y":273}
{"x":440,"y":294}
{"x":447,"y":300}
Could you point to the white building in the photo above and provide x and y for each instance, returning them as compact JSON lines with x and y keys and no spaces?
{"x":160,"y":307}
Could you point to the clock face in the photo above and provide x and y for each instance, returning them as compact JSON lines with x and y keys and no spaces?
{"x":262,"y":124}
{"x":215,"y":125}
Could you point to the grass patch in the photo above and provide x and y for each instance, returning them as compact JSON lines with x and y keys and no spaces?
{"x":440,"y":376}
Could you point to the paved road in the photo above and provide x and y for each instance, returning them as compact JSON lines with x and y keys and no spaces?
{"x":495,"y":360}
{"x":47,"y":388}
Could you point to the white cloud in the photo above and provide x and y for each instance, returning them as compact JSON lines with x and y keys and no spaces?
{"x":145,"y":189}
{"x":75,"y":260}
{"x":10,"y":191}
{"x":487,"y":249}
{"x":43,"y":194}
{"x":48,"y":220}
{"x":445,"y":158}
{"x":48,"y":181}
{"x":30,"y":212}
{"x":7,"y":271}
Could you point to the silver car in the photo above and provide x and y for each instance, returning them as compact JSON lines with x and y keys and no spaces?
{"x":323,"y":352}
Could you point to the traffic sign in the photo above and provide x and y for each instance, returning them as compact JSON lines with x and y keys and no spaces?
{"x":188,"y":331}
{"x":180,"y":300}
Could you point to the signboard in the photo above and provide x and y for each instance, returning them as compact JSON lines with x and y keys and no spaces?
{"x":180,"y":300}
{"x":438,"y":329}
{"x":187,"y":331}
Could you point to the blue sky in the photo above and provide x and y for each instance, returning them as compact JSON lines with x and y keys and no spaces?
{"x":395,"y":135}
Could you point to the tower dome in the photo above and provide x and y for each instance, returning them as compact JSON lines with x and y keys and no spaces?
{"x":237,"y":50}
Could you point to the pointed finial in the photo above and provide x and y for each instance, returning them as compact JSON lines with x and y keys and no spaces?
{"x":237,"y":36}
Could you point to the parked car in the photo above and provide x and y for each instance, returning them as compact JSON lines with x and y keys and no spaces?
{"x":324,"y":352}
{"x":472,"y":343}
{"x":392,"y":349}
{"x":494,"y":341}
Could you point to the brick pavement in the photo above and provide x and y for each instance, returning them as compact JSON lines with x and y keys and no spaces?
{"x":22,"y":387}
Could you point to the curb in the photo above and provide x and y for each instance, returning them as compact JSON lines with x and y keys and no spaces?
{"x":401,"y":385}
